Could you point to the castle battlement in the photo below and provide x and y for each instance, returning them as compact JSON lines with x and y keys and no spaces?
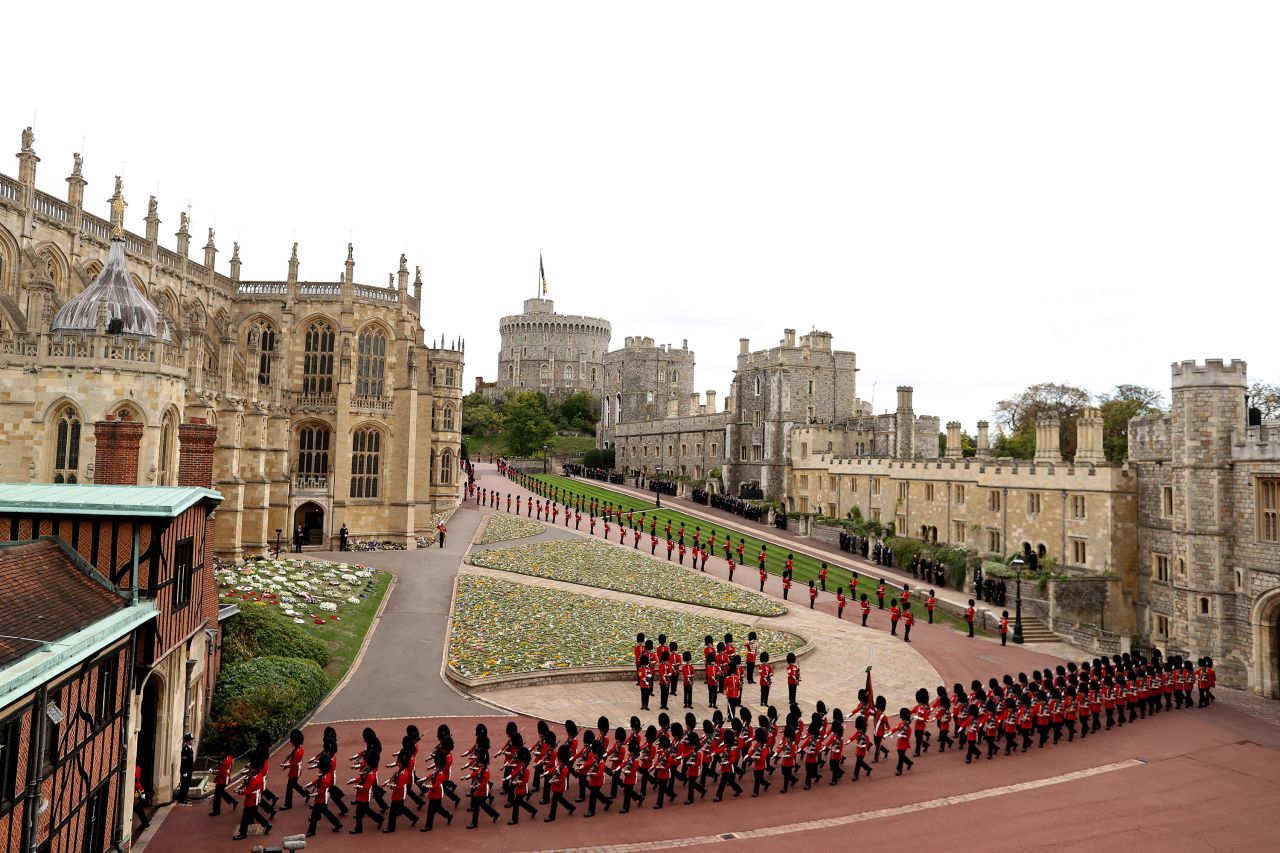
{"x":1214,"y":372}
{"x":1256,"y":443}
{"x":1020,"y":473}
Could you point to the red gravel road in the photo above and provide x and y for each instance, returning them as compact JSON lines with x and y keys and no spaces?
{"x":1189,"y":780}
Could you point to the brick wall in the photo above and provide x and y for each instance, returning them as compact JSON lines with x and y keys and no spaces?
{"x":196,"y":441}
{"x":117,"y":443}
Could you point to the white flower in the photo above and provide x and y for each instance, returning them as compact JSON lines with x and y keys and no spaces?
{"x":328,"y":606}
{"x":351,"y":599}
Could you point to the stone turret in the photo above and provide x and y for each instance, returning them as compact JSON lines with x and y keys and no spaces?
{"x":153,"y":220}
{"x":293,"y":265}
{"x":235,"y":261}
{"x":210,"y":252}
{"x":906,"y":433}
{"x":351,"y":265}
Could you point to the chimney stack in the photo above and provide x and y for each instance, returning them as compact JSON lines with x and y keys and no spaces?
{"x":196,"y":441}
{"x":116,"y":444}
{"x":984,"y":440}
{"x":1047,"y":444}
{"x":744,"y":346}
{"x":1089,"y":437}
{"x":954,"y":440}
{"x":711,"y":402}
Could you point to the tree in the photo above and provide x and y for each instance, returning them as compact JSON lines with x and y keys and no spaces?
{"x":1265,"y":398}
{"x":578,"y":411}
{"x":526,"y":427}
{"x":1120,"y":405}
{"x":479,"y":416}
{"x":1046,"y":399}
{"x":1020,"y":445}
{"x":968,"y":446}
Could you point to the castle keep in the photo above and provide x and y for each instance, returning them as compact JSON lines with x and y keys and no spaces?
{"x":313,"y":403}
{"x":557,"y":354}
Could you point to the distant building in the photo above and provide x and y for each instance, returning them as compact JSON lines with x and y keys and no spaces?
{"x":557,"y":354}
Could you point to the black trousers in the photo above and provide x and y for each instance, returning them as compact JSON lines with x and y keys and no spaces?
{"x":221,"y":796}
{"x":557,"y":799}
{"x":751,"y":672}
{"x":728,"y":779}
{"x":435,"y":807}
{"x":288,"y":792}
{"x":860,"y":765}
{"x":248,"y":815}
{"x":363,"y":811}
{"x":791,"y":693}
{"x":478,"y":803}
{"x":598,"y":796}
{"x":398,"y":808}
{"x":184,"y":786}
{"x":321,"y":810}
{"x":518,"y":802}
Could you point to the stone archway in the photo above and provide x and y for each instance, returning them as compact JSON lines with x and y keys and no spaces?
{"x":310,"y":517}
{"x":1264,"y":622}
{"x":151,"y":719}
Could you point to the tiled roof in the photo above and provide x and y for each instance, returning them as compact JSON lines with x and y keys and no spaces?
{"x":46,"y":597}
{"x":84,"y":499}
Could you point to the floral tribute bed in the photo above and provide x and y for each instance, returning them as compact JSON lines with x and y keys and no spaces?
{"x":593,"y":563}
{"x":307,"y":591}
{"x":501,"y":528}
{"x":501,"y":627}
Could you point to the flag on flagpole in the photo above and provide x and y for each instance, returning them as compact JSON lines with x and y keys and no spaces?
{"x":871,"y":696}
{"x":542,"y":274}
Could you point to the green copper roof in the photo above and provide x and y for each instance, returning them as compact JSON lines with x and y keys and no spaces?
{"x":80,"y":499}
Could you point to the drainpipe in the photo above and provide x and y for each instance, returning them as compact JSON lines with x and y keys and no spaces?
{"x":35,"y":763}
{"x":126,"y":817}
{"x":134,"y":564}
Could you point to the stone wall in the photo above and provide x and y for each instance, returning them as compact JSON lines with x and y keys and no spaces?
{"x":557,"y":354}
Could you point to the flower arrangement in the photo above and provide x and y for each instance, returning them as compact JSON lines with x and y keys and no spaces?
{"x":501,"y":528}
{"x":304,"y":590}
{"x":593,"y":563}
{"x":502,"y":627}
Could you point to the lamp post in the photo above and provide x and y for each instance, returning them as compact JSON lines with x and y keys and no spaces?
{"x":279,"y":530}
{"x":546,"y":458}
{"x":656,"y":490}
{"x":1017,"y":565}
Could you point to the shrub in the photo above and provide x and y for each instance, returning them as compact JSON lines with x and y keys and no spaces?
{"x":268,"y":693}
{"x":265,"y":632}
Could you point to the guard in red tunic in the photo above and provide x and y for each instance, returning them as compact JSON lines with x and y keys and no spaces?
{"x":713,"y":679}
{"x":763,"y":576}
{"x":742,"y":547}
{"x":635,"y":538}
{"x":766,"y":678}
{"x":894,"y":615}
{"x":813,"y":595}
{"x":822,"y":577}
{"x":686,"y":678}
{"x":880,"y":593}
{"x":479,"y":782}
{"x":365,"y":780}
{"x":930,"y":604}
{"x":252,"y":789}
{"x":320,"y":796}
{"x":733,"y":689}
{"x":866,"y":609}
{"x":682,"y":553}
{"x":644,"y":680}
{"x":593,"y":525}
{"x":840,"y":602}
{"x":732,"y":566}
{"x":908,"y":619}
{"x":435,"y":792}
{"x":293,"y":764}
{"x":653,"y":545}
{"x":793,"y":678}
{"x":969,"y":615}
{"x":786,"y":585}
{"x":671,"y":546}
{"x":221,"y":777}
{"x":752,"y":649}
{"x":1004,"y":627}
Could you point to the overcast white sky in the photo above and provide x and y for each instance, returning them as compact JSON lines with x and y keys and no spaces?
{"x":971,"y":196}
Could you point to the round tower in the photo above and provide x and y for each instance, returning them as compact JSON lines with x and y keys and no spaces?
{"x":557,"y":354}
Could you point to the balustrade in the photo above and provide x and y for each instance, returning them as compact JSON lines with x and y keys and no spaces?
{"x":372,"y":403}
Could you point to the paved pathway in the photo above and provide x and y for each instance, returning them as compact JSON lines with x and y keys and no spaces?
{"x":399,"y":675}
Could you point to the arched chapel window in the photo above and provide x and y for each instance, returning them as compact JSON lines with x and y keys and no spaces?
{"x":366,"y":462}
{"x":317,"y":359}
{"x":66,"y":459}
{"x":371,"y":363}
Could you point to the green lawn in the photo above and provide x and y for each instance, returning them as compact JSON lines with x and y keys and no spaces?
{"x":345,"y":637}
{"x":805,"y":567}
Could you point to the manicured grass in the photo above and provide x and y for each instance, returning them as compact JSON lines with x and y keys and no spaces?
{"x":805,"y":568}
{"x":590,"y":489}
{"x":345,"y":637}
{"x":503,"y":627}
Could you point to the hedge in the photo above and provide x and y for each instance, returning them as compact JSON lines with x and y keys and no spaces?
{"x":257,"y":632}
{"x":269,"y":693}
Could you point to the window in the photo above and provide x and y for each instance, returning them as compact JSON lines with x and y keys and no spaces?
{"x":714,"y":448}
{"x":97,"y":819}
{"x":756,"y":453}
{"x":1182,"y":568}
{"x":900,"y":525}
{"x":166,"y":449}
{"x":1269,"y":510}
{"x":648,"y":397}
{"x":804,"y":450}
{"x":1160,"y":566}
{"x":1033,"y":503}
{"x":875,"y":515}
{"x":928,"y":491}
{"x":810,"y":386}
{"x":1162,"y":627}
{"x":1079,"y":552}
{"x":104,"y":706}
{"x":66,"y":460}
{"x":10,"y":733}
{"x":544,"y":371}
{"x":959,"y":494}
{"x":593,"y":375}
{"x":675,"y":376}
{"x":263,"y":334}
{"x":902,"y":491}
{"x":993,"y":540}
{"x":366,"y":462}
{"x":317,"y":359}
{"x":662,"y":375}
{"x":448,"y":418}
{"x":446,"y":467}
{"x":313,"y":455}
{"x":371,"y":363}
{"x":1077,"y":506}
{"x":1204,"y":606}
{"x":993,"y":500}
{"x":875,"y":485}
{"x":759,"y":384}
{"x":183,"y":558}
{"x":957,"y":534}
{"x":1166,"y":502}
{"x":568,"y":372}
{"x":742,"y":453}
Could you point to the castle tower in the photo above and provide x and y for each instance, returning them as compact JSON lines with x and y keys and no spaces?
{"x":557,"y":354}
{"x":905,"y":438}
{"x":1208,"y":403}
